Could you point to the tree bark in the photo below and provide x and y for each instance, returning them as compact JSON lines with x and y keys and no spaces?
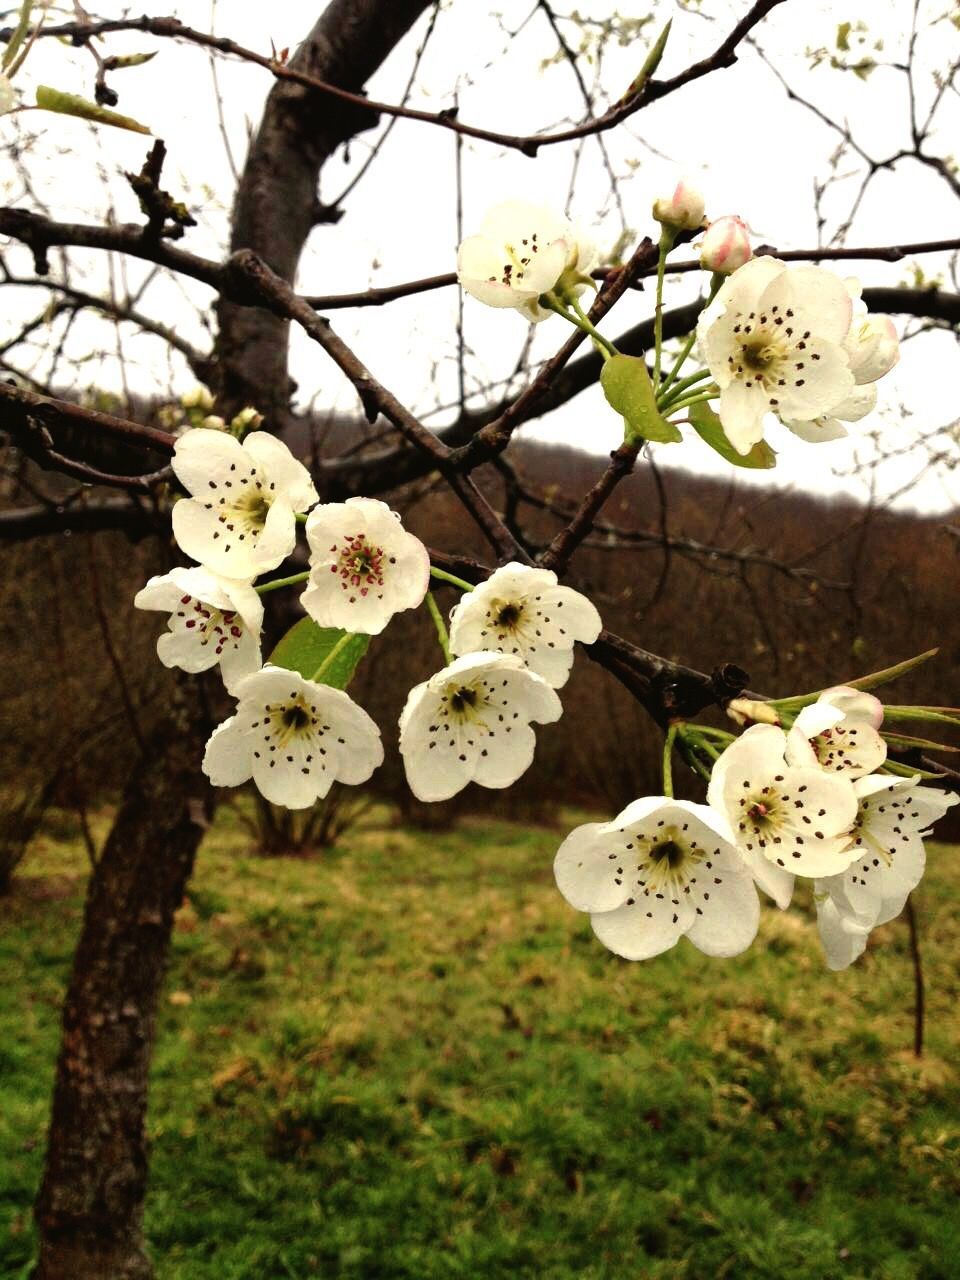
{"x":90,"y":1206}
{"x":276,"y":203}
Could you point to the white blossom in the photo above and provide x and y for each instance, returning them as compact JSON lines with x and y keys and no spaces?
{"x":725,"y":246}
{"x":294,"y":737}
{"x":240,"y":519}
{"x":212,"y":620}
{"x":773,"y":339}
{"x":471,"y":723}
{"x":838,"y":732}
{"x":663,"y":869}
{"x":873,"y":348}
{"x":683,"y":208}
{"x":364,"y":566}
{"x":842,"y":936}
{"x":523,"y":611}
{"x":894,"y":815}
{"x":522,"y":252}
{"x":785,"y":820}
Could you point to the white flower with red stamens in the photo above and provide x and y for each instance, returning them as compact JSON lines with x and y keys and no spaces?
{"x":523,"y":611}
{"x":838,"y":732}
{"x":662,"y":870}
{"x":294,"y":737}
{"x":364,"y":566}
{"x":773,"y":338}
{"x":521,"y":252}
{"x":241,"y":518}
{"x":725,"y":246}
{"x":785,"y":820}
{"x":212,"y":620}
{"x":894,"y":816}
{"x":471,"y":723}
{"x":682,"y":209}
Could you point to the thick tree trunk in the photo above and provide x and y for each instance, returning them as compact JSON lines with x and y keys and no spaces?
{"x":91,"y":1202}
{"x":90,"y":1206}
{"x":276,"y":203}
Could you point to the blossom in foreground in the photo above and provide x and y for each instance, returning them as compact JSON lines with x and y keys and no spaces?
{"x":523,"y":611}
{"x":521,"y":252}
{"x":838,"y":732}
{"x":725,"y":246}
{"x":294,"y":737}
{"x":785,"y":820}
{"x":662,"y":870}
{"x":364,"y":566}
{"x":240,"y":519}
{"x":471,"y":723}
{"x":893,"y":817}
{"x":682,"y":209}
{"x":212,"y":620}
{"x":773,"y":339}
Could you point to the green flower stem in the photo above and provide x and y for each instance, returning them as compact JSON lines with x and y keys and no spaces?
{"x":443,"y":576}
{"x":603,"y":345}
{"x":441,"y":627}
{"x":300,"y":517}
{"x":277,"y":583}
{"x":715,"y":285}
{"x":721,"y":735}
{"x":668,"y":761}
{"x":680,"y":388}
{"x":667,"y":237}
{"x":325,"y":665}
{"x":686,"y":401}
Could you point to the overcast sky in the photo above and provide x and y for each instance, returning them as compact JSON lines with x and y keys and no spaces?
{"x":753,"y":152}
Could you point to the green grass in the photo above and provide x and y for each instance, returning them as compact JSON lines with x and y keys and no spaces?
{"x":410,"y":1058}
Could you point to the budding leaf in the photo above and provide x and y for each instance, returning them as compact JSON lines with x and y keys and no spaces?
{"x":709,"y":428}
{"x":652,"y":61}
{"x":18,"y":37}
{"x":305,"y":646}
{"x":70,"y":104}
{"x":122,"y":61}
{"x":627,"y":386}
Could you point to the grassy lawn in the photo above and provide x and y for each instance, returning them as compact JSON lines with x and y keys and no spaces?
{"x":409,"y":1058}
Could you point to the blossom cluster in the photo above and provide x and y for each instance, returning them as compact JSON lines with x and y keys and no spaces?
{"x":792,"y":343}
{"x":810,"y":801}
{"x":511,"y":640}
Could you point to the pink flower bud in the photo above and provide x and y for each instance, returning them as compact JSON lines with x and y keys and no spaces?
{"x":726,"y":245}
{"x":683,"y":209}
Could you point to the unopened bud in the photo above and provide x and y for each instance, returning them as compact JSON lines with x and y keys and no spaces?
{"x":246,"y":420}
{"x":747,"y":711}
{"x":214,"y":423}
{"x":683,"y":209}
{"x":725,"y":246}
{"x":198,"y":398}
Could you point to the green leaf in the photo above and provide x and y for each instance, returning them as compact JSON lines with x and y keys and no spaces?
{"x":627,"y":386}
{"x":876,"y":678}
{"x":843,"y":37}
{"x":305,"y":646}
{"x":69,"y":104}
{"x":708,"y":427}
